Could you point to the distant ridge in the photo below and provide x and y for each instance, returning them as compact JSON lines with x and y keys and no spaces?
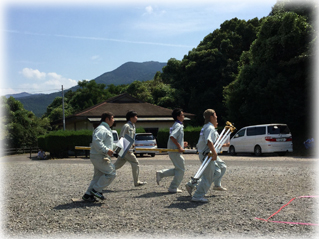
{"x":129,"y":72}
{"x":20,"y":95}
{"x":125,"y":74}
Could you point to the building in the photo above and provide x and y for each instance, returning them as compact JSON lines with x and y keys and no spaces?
{"x":150,"y":117}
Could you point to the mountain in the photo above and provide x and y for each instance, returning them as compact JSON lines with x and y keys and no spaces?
{"x":19,"y":95}
{"x":129,"y":72}
{"x":125,"y":74}
{"x":38,"y":103}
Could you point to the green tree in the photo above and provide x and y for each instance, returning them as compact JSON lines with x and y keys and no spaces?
{"x":55,"y":109}
{"x":116,"y":90}
{"x":140,"y":90}
{"x":88,"y":95}
{"x":306,"y":8}
{"x":200,"y":77}
{"x":274,"y":82}
{"x":22,"y":127}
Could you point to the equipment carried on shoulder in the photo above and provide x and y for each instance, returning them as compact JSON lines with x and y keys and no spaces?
{"x":228,"y":129}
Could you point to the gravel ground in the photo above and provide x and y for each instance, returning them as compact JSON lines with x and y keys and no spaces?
{"x":37,"y":200}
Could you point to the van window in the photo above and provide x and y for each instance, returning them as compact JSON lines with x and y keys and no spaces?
{"x":260,"y":130}
{"x":278,"y":129}
{"x":241,"y":133}
{"x":251,"y":131}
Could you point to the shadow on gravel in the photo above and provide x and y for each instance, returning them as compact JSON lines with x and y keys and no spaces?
{"x":73,"y":205}
{"x":153,"y":194}
{"x":35,"y":158}
{"x":119,"y":191}
{"x":186,"y":203}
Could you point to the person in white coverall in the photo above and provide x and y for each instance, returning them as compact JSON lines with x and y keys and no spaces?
{"x":216,"y":167}
{"x":100,"y":156}
{"x":129,"y":129}
{"x":175,"y":141}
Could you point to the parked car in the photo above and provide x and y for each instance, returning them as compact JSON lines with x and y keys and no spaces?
{"x":258,"y":139}
{"x":145,"y":140}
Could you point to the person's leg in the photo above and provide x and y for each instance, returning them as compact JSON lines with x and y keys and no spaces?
{"x":119,"y":163}
{"x":96,"y":176}
{"x":208,"y":177}
{"x":131,"y":158}
{"x":192,"y":184}
{"x":179,"y":163}
{"x":106,"y":171}
{"x":166,"y":173}
{"x":222,"y":166}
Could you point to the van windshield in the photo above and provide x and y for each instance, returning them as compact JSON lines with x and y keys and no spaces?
{"x":144,"y":137}
{"x":278,"y":129}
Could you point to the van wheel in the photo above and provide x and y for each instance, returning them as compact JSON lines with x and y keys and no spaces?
{"x":232,"y":150}
{"x":257,"y":150}
{"x":152,"y":155}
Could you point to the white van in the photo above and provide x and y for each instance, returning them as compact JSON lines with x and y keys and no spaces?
{"x":258,"y":139}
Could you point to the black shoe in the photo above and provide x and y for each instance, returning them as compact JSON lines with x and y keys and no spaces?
{"x":89,"y":198}
{"x":97,"y":194}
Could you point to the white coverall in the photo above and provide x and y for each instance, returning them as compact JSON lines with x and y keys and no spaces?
{"x":129,"y":129}
{"x":104,"y":170}
{"x":215,"y":169}
{"x":176,"y":131}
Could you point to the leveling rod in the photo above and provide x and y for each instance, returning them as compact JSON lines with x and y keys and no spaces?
{"x":160,"y":150}
{"x":229,"y":128}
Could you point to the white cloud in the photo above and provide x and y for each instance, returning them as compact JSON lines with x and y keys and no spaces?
{"x":54,"y":76}
{"x":8,"y":91}
{"x":149,"y":9}
{"x":96,"y":57}
{"x":33,"y":74}
{"x":50,"y":82}
{"x":154,"y":11}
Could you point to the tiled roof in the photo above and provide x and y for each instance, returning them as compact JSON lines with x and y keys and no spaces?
{"x":121,"y":104}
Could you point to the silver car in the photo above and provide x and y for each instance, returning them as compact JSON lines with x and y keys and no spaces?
{"x":145,"y":141}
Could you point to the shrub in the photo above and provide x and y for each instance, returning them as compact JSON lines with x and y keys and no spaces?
{"x":191,"y":135}
{"x":162,"y":138}
{"x":140,"y":130}
{"x":59,"y":142}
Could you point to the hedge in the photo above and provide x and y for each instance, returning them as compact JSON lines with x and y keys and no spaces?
{"x":191,"y":135}
{"x":59,"y":142}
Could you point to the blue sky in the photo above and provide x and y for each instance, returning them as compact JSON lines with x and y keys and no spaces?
{"x":61,"y":42}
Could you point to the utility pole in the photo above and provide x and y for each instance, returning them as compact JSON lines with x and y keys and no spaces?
{"x":63,"y":108}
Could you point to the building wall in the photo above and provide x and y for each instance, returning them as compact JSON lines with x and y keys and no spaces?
{"x":159,"y":125}
{"x":80,"y":125}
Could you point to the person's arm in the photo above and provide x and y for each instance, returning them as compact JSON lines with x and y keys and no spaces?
{"x":98,"y":144}
{"x":124,"y":131}
{"x":212,"y":149}
{"x":180,"y":149}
